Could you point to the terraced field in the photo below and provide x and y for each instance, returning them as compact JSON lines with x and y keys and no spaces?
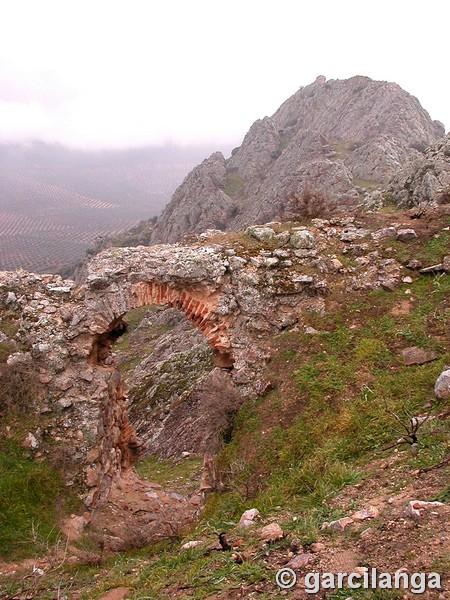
{"x":55,"y":203}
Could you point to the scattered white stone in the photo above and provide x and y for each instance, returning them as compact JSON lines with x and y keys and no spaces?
{"x":335,"y":264}
{"x":271,"y":533}
{"x":311,"y":330}
{"x":405,"y":235}
{"x":262,"y":234}
{"x":442,"y":385}
{"x":302,"y":239}
{"x":191,"y":544}
{"x":370,"y":513}
{"x":367,"y":532}
{"x":386,"y":232}
{"x":65,"y":402}
{"x":271,"y":262}
{"x":30,"y":442}
{"x":236,"y":262}
{"x":248,"y":518}
{"x":256,"y":261}
{"x":353,"y":233}
{"x":303,"y":279}
{"x":339,"y":524}
{"x":283,"y":237}
{"x":209,"y":233}
{"x":415,"y":506}
{"x":60,"y":289}
{"x":407,"y":279}
{"x":280,"y":253}
{"x":301,"y":560}
{"x":317,"y":547}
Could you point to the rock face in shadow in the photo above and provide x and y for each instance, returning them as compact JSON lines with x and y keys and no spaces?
{"x":342,"y":137}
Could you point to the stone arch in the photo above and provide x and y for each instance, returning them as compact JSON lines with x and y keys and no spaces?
{"x":197,"y":305}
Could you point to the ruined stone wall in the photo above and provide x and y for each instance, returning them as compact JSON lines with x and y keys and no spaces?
{"x":237,"y":295}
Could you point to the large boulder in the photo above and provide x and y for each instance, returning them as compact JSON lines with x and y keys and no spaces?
{"x":442,"y":385}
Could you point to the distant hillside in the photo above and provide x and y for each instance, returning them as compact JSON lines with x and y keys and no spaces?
{"x":341,"y":137}
{"x":55,"y":202}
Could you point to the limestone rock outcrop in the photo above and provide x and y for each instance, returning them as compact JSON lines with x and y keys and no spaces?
{"x":342,"y":137}
{"x":424,"y":179}
{"x":198,"y":204}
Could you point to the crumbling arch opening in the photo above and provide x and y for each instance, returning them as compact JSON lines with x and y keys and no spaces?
{"x":197,"y":306}
{"x":178,"y":402}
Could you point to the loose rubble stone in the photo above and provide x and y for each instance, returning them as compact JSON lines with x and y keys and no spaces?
{"x":353,"y":233}
{"x":302,"y":239}
{"x":248,"y":518}
{"x":271,"y":533}
{"x":406,"y":235}
{"x":191,"y":544}
{"x":30,"y":442}
{"x":339,"y":524}
{"x":417,"y":356}
{"x":301,"y":560}
{"x":414,"y":264}
{"x":371,"y":512}
{"x":262,"y":234}
{"x":442,"y":385}
{"x":385,"y":233}
{"x":415,"y":506}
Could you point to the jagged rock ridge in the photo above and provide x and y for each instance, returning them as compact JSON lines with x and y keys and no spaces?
{"x":340,"y":136}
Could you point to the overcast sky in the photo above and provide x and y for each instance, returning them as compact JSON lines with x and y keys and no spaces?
{"x":102,"y":74}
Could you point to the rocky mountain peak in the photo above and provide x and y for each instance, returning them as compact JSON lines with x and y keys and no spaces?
{"x":344,"y":137}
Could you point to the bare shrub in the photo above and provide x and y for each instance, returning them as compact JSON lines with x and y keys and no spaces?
{"x":308,"y":203}
{"x":19,"y":387}
{"x":220,"y":404}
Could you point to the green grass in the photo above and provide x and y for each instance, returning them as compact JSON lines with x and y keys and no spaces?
{"x":182,"y":475}
{"x":430,"y":253}
{"x":133,"y":318}
{"x":367,"y":184}
{"x":235,"y":186}
{"x":28,"y":503}
{"x":343,"y":384}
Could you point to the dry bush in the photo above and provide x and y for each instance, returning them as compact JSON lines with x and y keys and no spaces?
{"x":220,"y":404}
{"x":308,"y":203}
{"x":19,"y":387}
